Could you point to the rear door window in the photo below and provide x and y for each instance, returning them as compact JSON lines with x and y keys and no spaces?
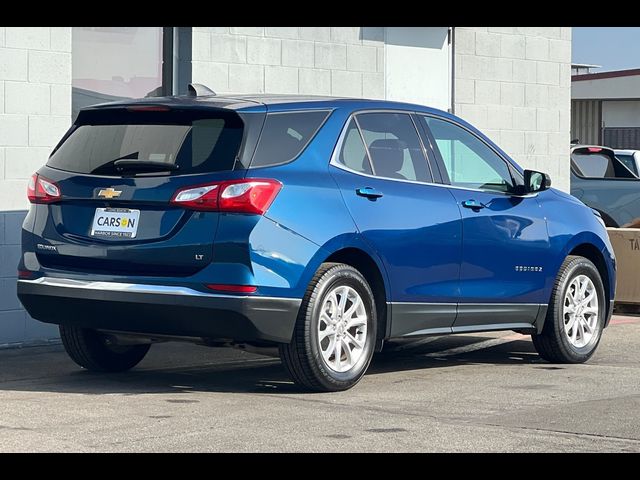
{"x":285,"y":135}
{"x":186,"y":145}
{"x":394,"y":146}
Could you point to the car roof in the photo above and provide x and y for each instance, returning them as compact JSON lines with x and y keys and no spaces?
{"x":271,"y":102}
{"x":625,"y":151}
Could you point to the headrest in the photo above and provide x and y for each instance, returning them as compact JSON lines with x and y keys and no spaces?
{"x":387,"y":155}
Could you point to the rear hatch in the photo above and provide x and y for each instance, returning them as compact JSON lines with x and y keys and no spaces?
{"x":117,"y":170}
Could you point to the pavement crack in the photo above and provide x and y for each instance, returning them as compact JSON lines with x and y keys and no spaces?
{"x":561,"y":432}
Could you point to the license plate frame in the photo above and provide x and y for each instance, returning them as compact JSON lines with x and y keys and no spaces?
{"x":103,"y":226}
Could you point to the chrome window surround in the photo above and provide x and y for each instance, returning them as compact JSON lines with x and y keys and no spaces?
{"x":336,"y":152}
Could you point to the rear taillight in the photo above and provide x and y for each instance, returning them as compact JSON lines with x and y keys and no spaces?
{"x":240,"y":196}
{"x":42,"y":190}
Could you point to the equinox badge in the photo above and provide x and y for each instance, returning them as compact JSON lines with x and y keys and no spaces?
{"x":109,"y":193}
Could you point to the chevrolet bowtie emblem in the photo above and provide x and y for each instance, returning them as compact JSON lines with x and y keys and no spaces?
{"x":109,"y":193}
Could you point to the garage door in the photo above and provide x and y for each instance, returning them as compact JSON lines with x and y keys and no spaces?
{"x":418,"y":65}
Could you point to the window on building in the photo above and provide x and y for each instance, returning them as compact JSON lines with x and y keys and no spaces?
{"x":468,"y":160}
{"x":114,"y":63}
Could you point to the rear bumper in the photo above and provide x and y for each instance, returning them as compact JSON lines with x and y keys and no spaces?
{"x":159,"y":309}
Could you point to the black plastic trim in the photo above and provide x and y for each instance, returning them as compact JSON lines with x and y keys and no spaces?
{"x":443,"y":318}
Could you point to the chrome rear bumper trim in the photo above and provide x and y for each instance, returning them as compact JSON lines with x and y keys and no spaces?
{"x":133,"y":288}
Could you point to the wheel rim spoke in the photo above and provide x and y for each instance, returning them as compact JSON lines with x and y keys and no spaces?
{"x":337,"y":354}
{"x":356,"y":322}
{"x":352,"y":309}
{"x":325,"y":333}
{"x":329,"y":350}
{"x":344,"y":293}
{"x":354,"y":341}
{"x":342,"y":328}
{"x":347,"y":351}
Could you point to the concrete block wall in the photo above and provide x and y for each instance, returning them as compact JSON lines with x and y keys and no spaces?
{"x":344,"y":61}
{"x":35,"y":110}
{"x":514,"y":83}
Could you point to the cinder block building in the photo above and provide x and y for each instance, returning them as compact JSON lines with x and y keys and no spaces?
{"x":511,"y":82}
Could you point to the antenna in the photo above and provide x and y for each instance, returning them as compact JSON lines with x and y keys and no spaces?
{"x":199,"y":90}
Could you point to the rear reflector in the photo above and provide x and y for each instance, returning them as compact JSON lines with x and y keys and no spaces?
{"x":232,"y":288}
{"x":42,"y":190}
{"x":25,"y":274}
{"x":253,"y":195}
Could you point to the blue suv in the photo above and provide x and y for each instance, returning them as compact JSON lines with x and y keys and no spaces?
{"x":320,"y":226}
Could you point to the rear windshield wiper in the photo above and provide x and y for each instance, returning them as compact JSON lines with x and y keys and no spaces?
{"x":134,"y":164}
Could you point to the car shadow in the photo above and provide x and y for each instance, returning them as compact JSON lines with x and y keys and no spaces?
{"x":255,"y":374}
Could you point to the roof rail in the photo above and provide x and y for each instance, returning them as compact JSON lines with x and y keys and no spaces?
{"x":199,"y":90}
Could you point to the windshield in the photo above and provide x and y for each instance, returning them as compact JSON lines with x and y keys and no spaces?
{"x":195,"y":146}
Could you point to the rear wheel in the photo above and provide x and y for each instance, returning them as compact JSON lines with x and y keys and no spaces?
{"x":335,"y":333}
{"x":576,"y":315}
{"x":91,"y":350}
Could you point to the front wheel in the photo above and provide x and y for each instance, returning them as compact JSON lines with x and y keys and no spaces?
{"x":91,"y":350}
{"x":576,"y":315}
{"x":335,"y":333}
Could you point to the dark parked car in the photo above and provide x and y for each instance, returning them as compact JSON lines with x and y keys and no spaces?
{"x":605,"y":183}
{"x":321,"y":226}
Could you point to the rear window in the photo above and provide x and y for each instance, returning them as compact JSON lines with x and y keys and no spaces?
{"x":593,"y":165}
{"x":186,"y":145}
{"x":285,"y":135}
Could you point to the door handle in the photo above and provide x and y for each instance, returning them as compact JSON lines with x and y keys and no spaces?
{"x":473,"y":204}
{"x":368,"y":192}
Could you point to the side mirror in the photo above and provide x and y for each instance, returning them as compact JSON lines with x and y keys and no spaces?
{"x":536,"y":181}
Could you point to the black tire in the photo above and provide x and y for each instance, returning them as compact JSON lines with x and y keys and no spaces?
{"x":302,"y":357}
{"x":552,"y":343}
{"x":90,"y":350}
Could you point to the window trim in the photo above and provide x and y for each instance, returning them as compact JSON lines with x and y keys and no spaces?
{"x":364,"y":143}
{"x":336,"y":152}
{"x":328,"y":111}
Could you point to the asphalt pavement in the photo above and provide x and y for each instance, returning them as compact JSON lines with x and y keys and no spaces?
{"x":481,"y":392}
